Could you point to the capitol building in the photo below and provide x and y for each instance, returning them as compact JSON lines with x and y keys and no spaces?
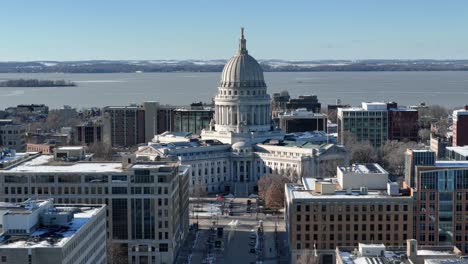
{"x":242,"y":143}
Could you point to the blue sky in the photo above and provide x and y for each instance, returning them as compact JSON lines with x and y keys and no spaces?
{"x":201,"y":29}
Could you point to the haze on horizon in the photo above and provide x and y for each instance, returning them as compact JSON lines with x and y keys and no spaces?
{"x":300,"y":30}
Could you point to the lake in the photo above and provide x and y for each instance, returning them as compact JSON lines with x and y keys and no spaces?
{"x":182,"y":88}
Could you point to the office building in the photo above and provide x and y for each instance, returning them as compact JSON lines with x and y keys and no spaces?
{"x":301,"y":120}
{"x":322,"y":214}
{"x":417,"y":157}
{"x":439,"y":145}
{"x":193,"y":119}
{"x":132,"y":125}
{"x":147,"y":202}
{"x":93,"y":131}
{"x":460,"y":127}
{"x":367,"y":123}
{"x":440,"y":191}
{"x":403,"y":124}
{"x":409,"y":254}
{"x":37,"y":231}
{"x":12,"y":135}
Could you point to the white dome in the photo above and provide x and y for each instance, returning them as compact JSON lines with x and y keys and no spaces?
{"x":242,"y":70}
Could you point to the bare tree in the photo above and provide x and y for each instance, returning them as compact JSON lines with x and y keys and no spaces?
{"x":393,"y":156}
{"x":360,"y":151}
{"x":101,"y":151}
{"x":308,"y":257}
{"x":116,"y":254}
{"x":271,"y":190}
{"x":424,"y":135}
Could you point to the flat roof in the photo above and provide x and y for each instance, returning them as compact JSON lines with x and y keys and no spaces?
{"x":46,"y":163}
{"x":70,"y":148}
{"x":364,"y":168}
{"x":451,"y":163}
{"x":459,"y":150}
{"x":298,"y":192}
{"x":46,"y":237}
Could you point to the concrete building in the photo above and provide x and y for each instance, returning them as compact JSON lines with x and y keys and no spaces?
{"x":460,"y":127}
{"x":403,"y":124}
{"x":37,"y":231}
{"x":371,"y":175}
{"x":132,"y":125}
{"x":457,"y":153}
{"x":12,"y":135}
{"x":193,"y":120}
{"x":301,"y":120}
{"x":411,"y":254}
{"x":147,"y":202}
{"x":439,"y":145}
{"x":282,"y":102}
{"x":219,"y":167}
{"x":368,"y":123}
{"x":93,"y":131}
{"x":320,"y":216}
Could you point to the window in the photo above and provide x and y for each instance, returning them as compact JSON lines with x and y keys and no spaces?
{"x":163,"y":247}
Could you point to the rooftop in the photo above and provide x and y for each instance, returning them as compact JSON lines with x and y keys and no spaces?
{"x":451,"y":163}
{"x":364,"y":168}
{"x":379,"y":254}
{"x":52,"y":235}
{"x":460,"y":150}
{"x":298,"y":191}
{"x":46,"y":163}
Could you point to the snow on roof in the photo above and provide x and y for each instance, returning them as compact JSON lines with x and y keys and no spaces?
{"x":51,"y":237}
{"x":44,"y":163}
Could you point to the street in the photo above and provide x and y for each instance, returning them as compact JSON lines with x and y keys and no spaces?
{"x":246,"y":236}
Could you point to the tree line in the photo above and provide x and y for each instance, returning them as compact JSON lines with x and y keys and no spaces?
{"x":36,"y":83}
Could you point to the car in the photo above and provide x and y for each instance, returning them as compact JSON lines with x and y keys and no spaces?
{"x":252,"y":243}
{"x":231,"y":213}
{"x":252,"y":250}
{"x":253,"y":236}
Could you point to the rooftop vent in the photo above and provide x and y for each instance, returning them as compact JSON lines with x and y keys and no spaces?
{"x":363,"y":190}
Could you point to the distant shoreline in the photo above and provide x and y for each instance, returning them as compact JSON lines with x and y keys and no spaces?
{"x":145,"y":66}
{"x":36,"y":83}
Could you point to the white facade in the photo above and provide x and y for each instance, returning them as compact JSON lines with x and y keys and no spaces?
{"x":372,"y":176}
{"x":242,"y":105}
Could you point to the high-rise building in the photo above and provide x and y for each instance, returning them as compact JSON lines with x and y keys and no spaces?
{"x":132,"y":125}
{"x":301,"y":120}
{"x":147,"y":202}
{"x":93,"y":131}
{"x":37,"y":231}
{"x":368,"y":123}
{"x":12,"y":136}
{"x":403,"y":124}
{"x":460,"y":127}
{"x":417,"y":157}
{"x":441,"y":196}
{"x":193,"y":119}
{"x":322,"y":214}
